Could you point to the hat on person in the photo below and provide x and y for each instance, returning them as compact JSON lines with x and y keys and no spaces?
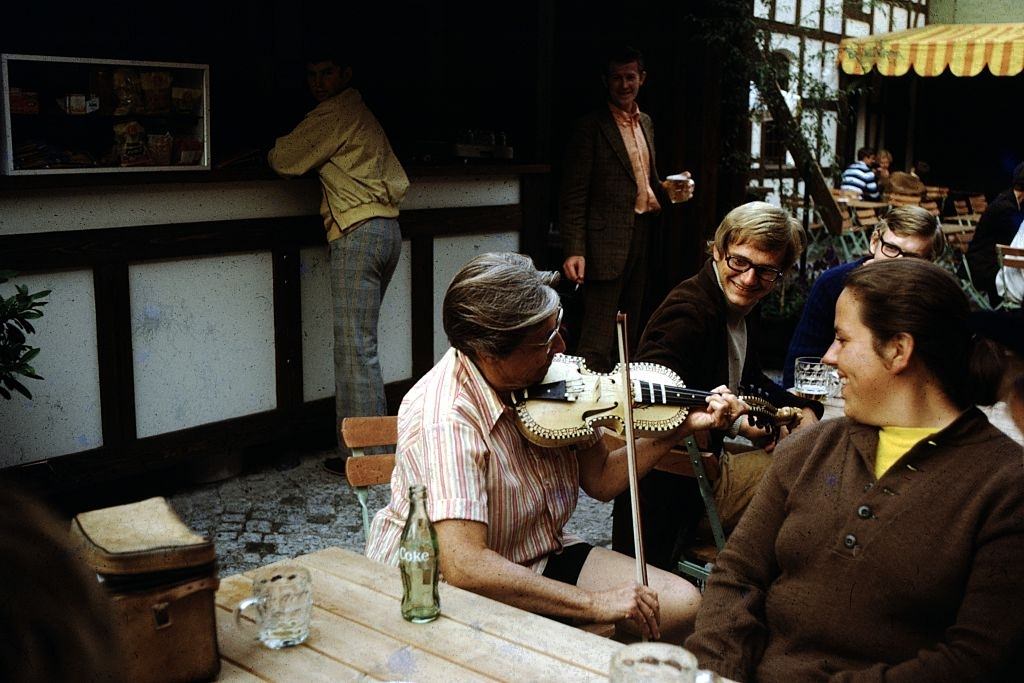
{"x":1002,"y":327}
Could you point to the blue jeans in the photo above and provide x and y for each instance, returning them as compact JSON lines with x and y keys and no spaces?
{"x":362,"y":263}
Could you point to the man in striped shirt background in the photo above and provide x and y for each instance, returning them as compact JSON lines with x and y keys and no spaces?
{"x":860,"y":175}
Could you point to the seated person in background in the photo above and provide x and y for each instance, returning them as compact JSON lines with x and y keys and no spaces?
{"x":1010,"y":280}
{"x":500,"y":503}
{"x":882,"y":172}
{"x":888,"y":544}
{"x":860,"y":175}
{"x":57,"y":624}
{"x":997,"y":225}
{"x":905,"y":183}
{"x":704,"y":332}
{"x":905,"y":231}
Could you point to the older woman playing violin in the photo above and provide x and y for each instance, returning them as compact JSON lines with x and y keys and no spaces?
{"x":887,"y":545}
{"x":499,"y":502}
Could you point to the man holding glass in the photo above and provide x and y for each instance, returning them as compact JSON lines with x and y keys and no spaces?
{"x":905,"y":232}
{"x":610,"y":200}
{"x":703,"y":331}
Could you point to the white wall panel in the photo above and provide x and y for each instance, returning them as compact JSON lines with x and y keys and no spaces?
{"x":64,"y":413}
{"x":810,"y":11}
{"x":394,"y":337}
{"x":785,"y":11}
{"x":450,"y":254}
{"x":202,"y":340}
{"x":833,"y":16}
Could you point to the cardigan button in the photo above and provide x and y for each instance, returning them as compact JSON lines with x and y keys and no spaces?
{"x":868,"y":486}
{"x":850,"y":541}
{"x":864,"y":512}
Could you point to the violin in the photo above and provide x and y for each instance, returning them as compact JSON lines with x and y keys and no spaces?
{"x":572,"y":401}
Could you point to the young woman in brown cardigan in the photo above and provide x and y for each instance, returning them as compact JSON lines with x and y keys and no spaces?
{"x":887,"y":545}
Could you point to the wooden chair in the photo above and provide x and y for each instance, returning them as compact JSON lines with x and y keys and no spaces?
{"x":696,"y":561}
{"x":978,"y":203}
{"x":931,"y":206}
{"x":958,"y":236}
{"x":361,"y":470}
{"x":904,"y":199}
{"x":1009,"y":257}
{"x":961,"y":207}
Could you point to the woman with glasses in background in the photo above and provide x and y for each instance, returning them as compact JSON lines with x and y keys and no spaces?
{"x":905,"y":232}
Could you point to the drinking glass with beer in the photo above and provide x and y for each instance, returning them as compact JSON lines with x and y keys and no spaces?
{"x":679,"y":187}
{"x":813,"y":379}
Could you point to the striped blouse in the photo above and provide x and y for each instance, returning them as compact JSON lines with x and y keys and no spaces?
{"x":458,"y":438}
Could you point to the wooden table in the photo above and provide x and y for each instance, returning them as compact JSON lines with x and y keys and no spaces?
{"x":358,"y":634}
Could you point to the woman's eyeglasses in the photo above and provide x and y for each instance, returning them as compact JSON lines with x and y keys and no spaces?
{"x":554,"y":333}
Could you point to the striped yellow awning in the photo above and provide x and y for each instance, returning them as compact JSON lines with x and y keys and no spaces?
{"x":965,"y":48}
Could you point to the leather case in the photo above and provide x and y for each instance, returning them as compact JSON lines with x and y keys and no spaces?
{"x":162,"y":578}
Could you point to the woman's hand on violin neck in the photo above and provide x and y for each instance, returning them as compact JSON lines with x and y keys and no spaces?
{"x":722,"y":408}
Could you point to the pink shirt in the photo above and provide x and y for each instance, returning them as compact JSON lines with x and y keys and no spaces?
{"x":639,"y":156}
{"x":458,"y":438}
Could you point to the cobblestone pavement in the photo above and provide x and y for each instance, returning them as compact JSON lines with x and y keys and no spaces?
{"x":268,"y":514}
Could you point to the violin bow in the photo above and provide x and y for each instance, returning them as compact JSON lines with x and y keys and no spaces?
{"x":634,"y":492}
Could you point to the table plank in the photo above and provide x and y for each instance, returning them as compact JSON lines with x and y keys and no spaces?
{"x":525,"y":635}
{"x":364,"y":650}
{"x":230,"y":672}
{"x":240,"y":647}
{"x":358,"y":634}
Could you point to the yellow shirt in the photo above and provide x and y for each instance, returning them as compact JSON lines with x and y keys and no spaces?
{"x":639,"y":157}
{"x":893,"y":442}
{"x":359,"y":174}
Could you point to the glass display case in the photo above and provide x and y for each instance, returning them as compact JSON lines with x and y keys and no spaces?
{"x":75,"y":115}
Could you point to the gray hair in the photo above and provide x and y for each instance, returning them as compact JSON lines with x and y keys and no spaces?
{"x":914,"y":220}
{"x":494,"y":301}
{"x":767,"y":227}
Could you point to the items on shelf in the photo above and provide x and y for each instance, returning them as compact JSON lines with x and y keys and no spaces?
{"x":24,"y":101}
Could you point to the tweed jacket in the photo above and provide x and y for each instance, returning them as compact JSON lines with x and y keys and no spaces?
{"x":595,"y":213}
{"x":834,"y":575}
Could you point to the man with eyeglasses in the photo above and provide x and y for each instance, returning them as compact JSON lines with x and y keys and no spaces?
{"x":703,"y":331}
{"x":905,"y":232}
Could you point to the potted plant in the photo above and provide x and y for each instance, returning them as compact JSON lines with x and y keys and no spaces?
{"x":15,"y":354}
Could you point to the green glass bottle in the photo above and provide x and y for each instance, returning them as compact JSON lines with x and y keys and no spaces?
{"x":417,"y":560}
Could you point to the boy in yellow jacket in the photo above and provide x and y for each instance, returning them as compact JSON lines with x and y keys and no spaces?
{"x":362,"y":184}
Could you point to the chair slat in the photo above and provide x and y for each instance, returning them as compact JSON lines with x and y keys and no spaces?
{"x":361,"y":432}
{"x":369,"y":470}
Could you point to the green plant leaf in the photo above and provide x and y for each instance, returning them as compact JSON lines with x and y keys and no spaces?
{"x":6,"y":394}
{"x":20,"y":388}
{"x":40,"y":295}
{"x":30,"y":354}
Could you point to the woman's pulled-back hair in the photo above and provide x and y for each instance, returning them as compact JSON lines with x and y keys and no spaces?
{"x":767,"y":227}
{"x":494,"y":301}
{"x":921,"y":299}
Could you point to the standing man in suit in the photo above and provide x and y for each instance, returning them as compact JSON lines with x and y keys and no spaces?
{"x":610,"y":200}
